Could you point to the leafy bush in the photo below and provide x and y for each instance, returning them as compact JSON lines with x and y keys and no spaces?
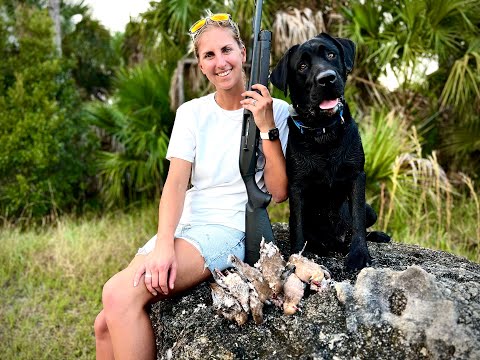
{"x":405,"y":37}
{"x":413,"y":195}
{"x":137,"y":126}
{"x":90,"y":46}
{"x":385,"y":136}
{"x":42,"y":166}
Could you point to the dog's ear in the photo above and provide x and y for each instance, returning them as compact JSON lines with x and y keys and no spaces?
{"x":346,"y":46}
{"x":279,"y":75}
{"x":348,"y":53}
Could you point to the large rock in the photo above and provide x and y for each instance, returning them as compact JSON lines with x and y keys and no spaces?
{"x":413,"y":303}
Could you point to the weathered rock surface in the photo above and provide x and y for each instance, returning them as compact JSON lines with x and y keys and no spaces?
{"x":413,"y":303}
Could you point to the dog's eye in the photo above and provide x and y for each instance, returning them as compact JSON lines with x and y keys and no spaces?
{"x":331,"y":55}
{"x":302,"y":66}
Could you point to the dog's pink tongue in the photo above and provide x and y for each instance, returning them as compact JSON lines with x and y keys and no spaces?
{"x":328,"y":104}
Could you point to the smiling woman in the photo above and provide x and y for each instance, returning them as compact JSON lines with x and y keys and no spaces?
{"x":124,"y":10}
{"x":201,"y":225}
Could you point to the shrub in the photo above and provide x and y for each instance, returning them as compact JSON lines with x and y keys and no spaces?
{"x":137,"y":126}
{"x":414,"y":197}
{"x":42,"y":165}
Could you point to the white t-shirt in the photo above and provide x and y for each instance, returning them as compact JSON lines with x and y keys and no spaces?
{"x":209,"y":137}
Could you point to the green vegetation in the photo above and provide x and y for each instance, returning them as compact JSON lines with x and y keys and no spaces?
{"x":43,"y":143}
{"x":52,"y":280}
{"x":416,"y":201}
{"x":88,"y":129}
{"x":90,"y":49}
{"x":403,"y":36}
{"x":136,"y":125}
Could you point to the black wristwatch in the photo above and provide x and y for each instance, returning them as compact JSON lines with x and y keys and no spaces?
{"x":272,"y":134}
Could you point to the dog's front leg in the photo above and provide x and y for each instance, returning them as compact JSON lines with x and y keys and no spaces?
{"x":296,"y":220}
{"x":358,"y":255}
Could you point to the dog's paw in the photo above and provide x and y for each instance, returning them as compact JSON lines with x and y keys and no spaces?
{"x":358,"y":258}
{"x":378,"y":237}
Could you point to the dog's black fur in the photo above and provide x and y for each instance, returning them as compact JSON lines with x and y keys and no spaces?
{"x":325,"y":159}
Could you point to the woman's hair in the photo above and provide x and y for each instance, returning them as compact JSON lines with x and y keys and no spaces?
{"x":226,"y":24}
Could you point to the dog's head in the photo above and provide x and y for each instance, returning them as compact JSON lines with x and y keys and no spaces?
{"x":315,"y":73}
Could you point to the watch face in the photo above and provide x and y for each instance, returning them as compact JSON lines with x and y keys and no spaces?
{"x":273,"y":134}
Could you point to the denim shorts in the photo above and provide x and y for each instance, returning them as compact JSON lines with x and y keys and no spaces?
{"x":214,"y":242}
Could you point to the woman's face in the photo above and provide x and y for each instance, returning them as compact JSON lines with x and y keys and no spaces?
{"x":220,"y":58}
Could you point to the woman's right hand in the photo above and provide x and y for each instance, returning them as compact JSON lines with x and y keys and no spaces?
{"x":159,"y":269}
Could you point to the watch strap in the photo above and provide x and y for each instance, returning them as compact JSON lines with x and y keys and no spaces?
{"x":264,"y":136}
{"x":272,"y":134}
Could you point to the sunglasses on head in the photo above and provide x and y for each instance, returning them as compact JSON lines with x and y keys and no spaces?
{"x":202,"y":22}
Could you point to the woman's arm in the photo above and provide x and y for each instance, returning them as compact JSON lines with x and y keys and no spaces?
{"x":173,"y":197}
{"x":275,"y":174}
{"x":161,"y":263}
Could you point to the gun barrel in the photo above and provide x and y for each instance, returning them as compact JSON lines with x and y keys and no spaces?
{"x":257,"y":21}
{"x":265,"y":44}
{"x":257,"y":223}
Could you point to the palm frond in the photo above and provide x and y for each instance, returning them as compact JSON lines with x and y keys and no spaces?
{"x":463,"y":83}
{"x":109,"y":124}
{"x":385,"y":137}
{"x":465,"y":138}
{"x":163,"y":29}
{"x":104,"y":116}
{"x":294,"y":27}
{"x":448,"y":21}
{"x":420,"y":181}
{"x":143,"y":93}
{"x":140,"y":120}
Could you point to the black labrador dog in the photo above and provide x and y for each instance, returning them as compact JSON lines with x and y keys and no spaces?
{"x":325,"y":158}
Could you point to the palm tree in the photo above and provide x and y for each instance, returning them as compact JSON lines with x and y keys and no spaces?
{"x":138,"y":123}
{"x":401,"y":34}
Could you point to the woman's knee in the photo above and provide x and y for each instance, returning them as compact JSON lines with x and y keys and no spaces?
{"x":115,"y":297}
{"x":119,"y":297}
{"x":100,"y":326}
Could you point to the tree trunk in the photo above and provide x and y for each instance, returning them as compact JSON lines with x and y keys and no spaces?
{"x":54,"y":10}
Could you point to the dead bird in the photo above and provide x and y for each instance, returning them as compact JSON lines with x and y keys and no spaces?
{"x":254,"y":276}
{"x":227,"y":306}
{"x":309,"y":271}
{"x":256,"y":307}
{"x":260,"y":292}
{"x":272,"y":265}
{"x":233,"y":284}
{"x":246,"y":289}
{"x":293,"y":291}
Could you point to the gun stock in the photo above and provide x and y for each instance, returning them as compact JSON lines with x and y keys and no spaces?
{"x":257,"y":223}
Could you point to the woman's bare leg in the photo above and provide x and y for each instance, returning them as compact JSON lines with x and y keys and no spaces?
{"x":103,"y":342}
{"x":127,"y":323}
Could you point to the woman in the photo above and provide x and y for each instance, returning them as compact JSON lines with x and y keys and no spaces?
{"x":198,"y":228}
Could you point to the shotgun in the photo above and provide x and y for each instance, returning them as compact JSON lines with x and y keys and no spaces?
{"x":257,"y":223}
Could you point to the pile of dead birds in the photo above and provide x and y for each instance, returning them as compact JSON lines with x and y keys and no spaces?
{"x":245,"y":289}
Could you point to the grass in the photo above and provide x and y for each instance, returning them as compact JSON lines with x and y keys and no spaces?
{"x":52,"y":279}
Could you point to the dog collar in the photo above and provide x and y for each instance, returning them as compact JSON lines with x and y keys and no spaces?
{"x":319,"y":130}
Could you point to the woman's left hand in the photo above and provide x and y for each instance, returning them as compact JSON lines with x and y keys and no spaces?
{"x":261,"y":106}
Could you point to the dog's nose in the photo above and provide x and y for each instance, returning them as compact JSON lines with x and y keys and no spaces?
{"x":326,"y":77}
